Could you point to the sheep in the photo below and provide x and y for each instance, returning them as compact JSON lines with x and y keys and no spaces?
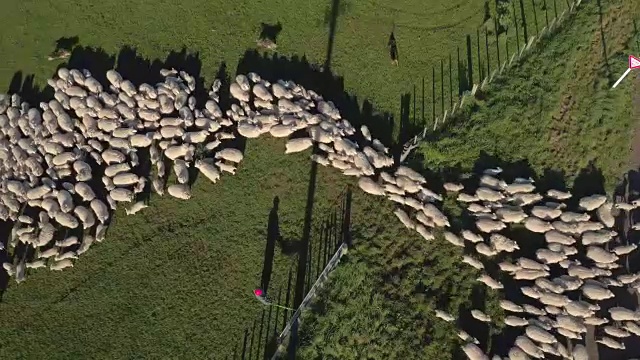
{"x":471,"y":236}
{"x":595,"y":321}
{"x":510,"y":306}
{"x":600,"y":255}
{"x":486,"y":194}
{"x":436,"y":215}
{"x":426,"y":234}
{"x":490,"y":282}
{"x":121,"y":195}
{"x":180,"y":191}
{"x":230,"y":154}
{"x":453,"y":239}
{"x":618,"y":313}
{"x":297,"y":145}
{"x":519,"y":188}
{"x":605,"y":215}
{"x":515,"y":353}
{"x":473,"y":352}
{"x":444,"y":316}
{"x":630,"y":326}
{"x":546,"y":213}
{"x":489,"y":226}
{"x":136,"y":207}
{"x":523,"y":199}
{"x":453,"y":187}
{"x":61,"y":264}
{"x":485,"y":250}
{"x":529,"y":274}
{"x":526,"y":345}
{"x":466,"y":198}
{"x":592,"y":202}
{"x":571,"y":323}
{"x":125,"y":178}
{"x":624,"y":249}
{"x":537,"y":226}
{"x":511,"y":215}
{"x":609,"y":342}
{"x":473,"y":262}
{"x":595,"y":292}
{"x":554,"y":236}
{"x":558,"y":195}
{"x":85,"y":216}
{"x":370,"y":186}
{"x":548,"y":256}
{"x":503,"y":243}
{"x":208,"y":169}
{"x":540,"y":335}
{"x":480,"y":316}
{"x":404,"y":218}
{"x":515,"y":321}
{"x":597,"y":237}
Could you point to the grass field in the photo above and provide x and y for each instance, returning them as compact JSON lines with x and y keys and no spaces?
{"x":175,"y":281}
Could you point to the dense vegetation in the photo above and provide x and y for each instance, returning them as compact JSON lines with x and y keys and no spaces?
{"x":551,"y":116}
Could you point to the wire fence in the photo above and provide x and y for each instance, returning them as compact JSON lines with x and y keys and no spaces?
{"x":329,"y":239}
{"x":512,"y":28}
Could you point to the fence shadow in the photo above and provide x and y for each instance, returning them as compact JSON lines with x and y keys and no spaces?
{"x":273,"y":233}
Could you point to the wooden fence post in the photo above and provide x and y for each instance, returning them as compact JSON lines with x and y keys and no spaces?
{"x":497,"y":40}
{"x":546,"y":13}
{"x":506,"y":41}
{"x":433,"y":92}
{"x":515,"y":20}
{"x":486,"y":50}
{"x":480,"y":69}
{"x":414,"y":103}
{"x":423,"y":119}
{"x":524,"y":22}
{"x":535,"y":16}
{"x":450,"y":85}
{"x":459,"y":73}
{"x":441,"y":86}
{"x":469,"y":63}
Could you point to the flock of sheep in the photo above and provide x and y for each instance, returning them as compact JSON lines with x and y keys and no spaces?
{"x":564,"y":295}
{"x":67,"y":165}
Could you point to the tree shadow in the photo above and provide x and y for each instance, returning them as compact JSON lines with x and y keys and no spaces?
{"x":67,"y":43}
{"x":270,"y":31}
{"x":605,"y":54}
{"x":273,"y":234}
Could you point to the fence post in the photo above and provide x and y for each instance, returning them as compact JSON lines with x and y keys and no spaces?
{"x":433,"y":92}
{"x":346,"y":220}
{"x":546,"y":13}
{"x":469,"y":63}
{"x":515,"y":20}
{"x":497,"y":40}
{"x":423,"y":119}
{"x":244,"y":344}
{"x":459,"y":73}
{"x":414,"y":102}
{"x":535,"y":16}
{"x":524,"y":21}
{"x":450,"y":85}
{"x":253,"y":333}
{"x":441,"y":86}
{"x":480,"y":69}
{"x":506,"y":41}
{"x":486,"y":45}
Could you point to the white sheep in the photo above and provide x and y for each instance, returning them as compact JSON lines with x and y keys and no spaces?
{"x":180,"y":191}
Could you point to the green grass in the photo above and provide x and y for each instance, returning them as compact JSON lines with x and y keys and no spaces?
{"x":175,"y":281}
